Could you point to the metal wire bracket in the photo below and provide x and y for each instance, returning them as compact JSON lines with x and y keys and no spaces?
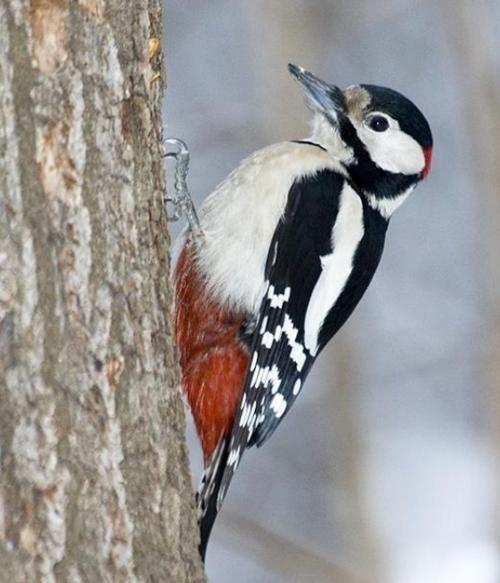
{"x":181,"y":201}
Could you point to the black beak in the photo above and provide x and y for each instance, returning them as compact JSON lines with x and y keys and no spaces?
{"x":321,"y":96}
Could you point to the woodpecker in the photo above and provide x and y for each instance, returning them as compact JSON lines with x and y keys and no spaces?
{"x":292,"y":239}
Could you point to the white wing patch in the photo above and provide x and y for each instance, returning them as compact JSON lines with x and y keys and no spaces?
{"x":347,"y":232}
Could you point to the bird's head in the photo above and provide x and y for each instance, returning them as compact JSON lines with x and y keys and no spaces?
{"x":381,"y":138}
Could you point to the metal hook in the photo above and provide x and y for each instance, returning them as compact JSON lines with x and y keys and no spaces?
{"x":181,"y":200}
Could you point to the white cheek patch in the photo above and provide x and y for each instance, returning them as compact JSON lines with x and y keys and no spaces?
{"x":393,"y":150}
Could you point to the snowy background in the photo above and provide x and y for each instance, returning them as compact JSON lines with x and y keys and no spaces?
{"x":386,"y":470}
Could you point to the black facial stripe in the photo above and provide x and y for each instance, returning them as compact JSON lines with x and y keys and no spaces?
{"x":365,"y":174}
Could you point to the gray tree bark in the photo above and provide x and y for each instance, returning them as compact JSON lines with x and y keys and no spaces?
{"x":94,"y":482}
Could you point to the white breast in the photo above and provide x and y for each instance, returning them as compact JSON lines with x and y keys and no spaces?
{"x":347,"y":232}
{"x":240,"y":216}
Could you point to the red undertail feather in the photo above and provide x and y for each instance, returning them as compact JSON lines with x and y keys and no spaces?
{"x":213,"y":359}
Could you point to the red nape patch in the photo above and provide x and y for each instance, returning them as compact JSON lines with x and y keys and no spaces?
{"x":428,"y":161}
{"x":213,"y":360}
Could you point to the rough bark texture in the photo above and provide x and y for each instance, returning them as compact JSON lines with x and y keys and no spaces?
{"x":94,"y":482}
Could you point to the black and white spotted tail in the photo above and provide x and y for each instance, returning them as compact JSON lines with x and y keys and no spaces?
{"x":208,"y":491}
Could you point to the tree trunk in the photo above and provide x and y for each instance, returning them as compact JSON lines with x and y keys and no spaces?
{"x":94,"y":482}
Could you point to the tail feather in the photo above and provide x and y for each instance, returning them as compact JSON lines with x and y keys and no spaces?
{"x":208,"y":493}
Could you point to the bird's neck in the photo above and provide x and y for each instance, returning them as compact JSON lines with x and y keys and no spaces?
{"x":384,"y":191}
{"x":387,"y":205}
{"x":330,"y":139}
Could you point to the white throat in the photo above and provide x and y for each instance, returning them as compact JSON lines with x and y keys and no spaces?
{"x":324,"y":134}
{"x":386,"y":206}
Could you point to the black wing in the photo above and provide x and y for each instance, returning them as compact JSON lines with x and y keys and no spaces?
{"x":279,"y":361}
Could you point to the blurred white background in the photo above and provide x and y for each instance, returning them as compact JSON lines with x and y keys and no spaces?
{"x":386,"y":470}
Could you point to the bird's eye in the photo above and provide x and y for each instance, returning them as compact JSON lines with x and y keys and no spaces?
{"x":378,"y":123}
